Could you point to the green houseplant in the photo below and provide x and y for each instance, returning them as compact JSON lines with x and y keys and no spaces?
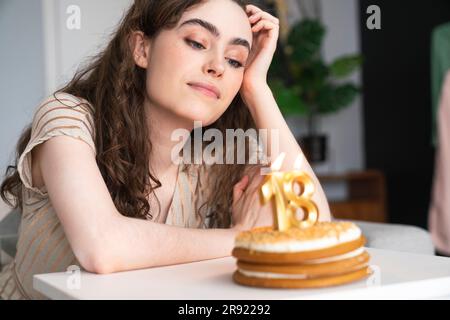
{"x":303,"y":84}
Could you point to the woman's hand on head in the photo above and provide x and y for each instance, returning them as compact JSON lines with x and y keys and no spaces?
{"x":247,"y":210}
{"x":265,"y":28}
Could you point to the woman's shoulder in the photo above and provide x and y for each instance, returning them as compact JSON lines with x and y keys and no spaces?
{"x":60,"y":114}
{"x":64,"y":113}
{"x":62,"y":102}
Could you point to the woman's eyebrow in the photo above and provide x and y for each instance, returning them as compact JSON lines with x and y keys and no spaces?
{"x":215,"y":32}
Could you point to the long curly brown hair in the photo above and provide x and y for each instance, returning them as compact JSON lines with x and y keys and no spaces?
{"x":115,"y":87}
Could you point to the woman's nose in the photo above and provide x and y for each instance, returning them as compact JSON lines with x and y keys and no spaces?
{"x":215,"y":67}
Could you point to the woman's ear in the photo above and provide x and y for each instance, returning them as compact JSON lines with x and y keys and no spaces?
{"x":140,"y":48}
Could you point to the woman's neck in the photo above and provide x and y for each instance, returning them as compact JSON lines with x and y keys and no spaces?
{"x":161,"y":125}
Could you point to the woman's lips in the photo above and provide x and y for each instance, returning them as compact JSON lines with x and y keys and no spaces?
{"x":205,"y":91}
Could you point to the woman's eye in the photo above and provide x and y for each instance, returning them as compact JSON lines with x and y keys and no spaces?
{"x":234,"y":63}
{"x":196,"y":45}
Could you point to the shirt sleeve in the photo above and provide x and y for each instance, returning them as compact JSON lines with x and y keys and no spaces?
{"x":59,"y":114}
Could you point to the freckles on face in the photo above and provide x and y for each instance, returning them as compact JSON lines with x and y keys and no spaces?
{"x":208,"y":60}
{"x":191,"y":52}
{"x":187,"y":57}
{"x":172,"y":65}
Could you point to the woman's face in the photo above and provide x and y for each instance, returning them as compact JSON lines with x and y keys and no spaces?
{"x":182,"y":59}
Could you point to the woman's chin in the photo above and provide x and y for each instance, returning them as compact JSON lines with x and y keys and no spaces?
{"x":200,"y":114}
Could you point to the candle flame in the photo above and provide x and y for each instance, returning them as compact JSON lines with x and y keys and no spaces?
{"x":276,"y":165}
{"x":299,"y":161}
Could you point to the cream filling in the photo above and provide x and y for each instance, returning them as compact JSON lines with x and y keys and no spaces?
{"x":301,"y":245}
{"x":344,"y":256}
{"x":272,"y":275}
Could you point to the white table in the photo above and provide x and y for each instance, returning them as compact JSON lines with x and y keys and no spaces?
{"x":398,"y":275}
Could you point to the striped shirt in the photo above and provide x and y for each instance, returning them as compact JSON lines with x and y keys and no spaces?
{"x":42,"y":246}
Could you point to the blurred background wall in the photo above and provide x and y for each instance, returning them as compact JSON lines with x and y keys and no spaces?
{"x":397,"y":102}
{"x":21,"y":71}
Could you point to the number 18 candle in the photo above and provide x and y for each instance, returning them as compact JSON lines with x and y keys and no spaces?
{"x":279,"y":185}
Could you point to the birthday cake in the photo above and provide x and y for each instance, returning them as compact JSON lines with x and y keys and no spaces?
{"x":324,"y":254}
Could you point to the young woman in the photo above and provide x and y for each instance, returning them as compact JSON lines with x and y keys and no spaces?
{"x":94,"y":175}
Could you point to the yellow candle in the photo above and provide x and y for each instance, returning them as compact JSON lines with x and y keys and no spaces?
{"x":273,"y":188}
{"x":302,"y":200}
{"x":280,"y":187}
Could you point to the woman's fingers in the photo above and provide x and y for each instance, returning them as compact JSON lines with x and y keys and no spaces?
{"x":255,"y":176}
{"x":247,"y":188}
{"x":257,"y":13}
{"x":239,"y":188}
{"x":250,"y":8}
{"x":265,"y":216}
{"x":246,"y":207}
{"x":264,"y":24}
{"x":263,"y":15}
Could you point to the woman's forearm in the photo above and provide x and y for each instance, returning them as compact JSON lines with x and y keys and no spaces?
{"x":136,"y":244}
{"x":267,"y":115}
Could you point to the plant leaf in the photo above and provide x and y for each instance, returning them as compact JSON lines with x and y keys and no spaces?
{"x":288,"y":98}
{"x":344,"y":66}
{"x":305,"y":39}
{"x":333,"y":98}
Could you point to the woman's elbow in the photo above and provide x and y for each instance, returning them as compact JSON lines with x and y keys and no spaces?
{"x":101,"y":267}
{"x":96,"y":261}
